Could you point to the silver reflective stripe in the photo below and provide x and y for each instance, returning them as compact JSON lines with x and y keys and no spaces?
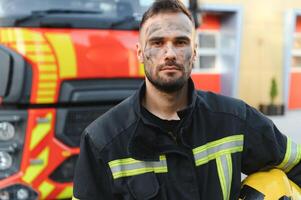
{"x":292,"y":156}
{"x":131,"y":167}
{"x":225,"y":172}
{"x":220,"y":148}
{"x":215,"y":149}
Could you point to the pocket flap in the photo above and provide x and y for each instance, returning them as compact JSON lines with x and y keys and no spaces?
{"x":144,"y":186}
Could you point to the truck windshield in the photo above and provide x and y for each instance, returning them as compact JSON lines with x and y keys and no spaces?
{"x":115,"y":14}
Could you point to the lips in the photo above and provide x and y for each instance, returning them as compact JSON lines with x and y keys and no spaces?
{"x":170,"y":65}
{"x":169,"y":68}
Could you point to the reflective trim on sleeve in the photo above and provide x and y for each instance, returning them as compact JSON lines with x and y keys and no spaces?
{"x":131,"y":167}
{"x":292,"y":156}
{"x":225,"y":171}
{"x":218,"y":148}
{"x":74,"y":198}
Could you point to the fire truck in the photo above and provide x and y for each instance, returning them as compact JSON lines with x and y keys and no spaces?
{"x":62,"y":65}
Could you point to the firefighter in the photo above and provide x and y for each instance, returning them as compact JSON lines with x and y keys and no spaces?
{"x":169,"y":141}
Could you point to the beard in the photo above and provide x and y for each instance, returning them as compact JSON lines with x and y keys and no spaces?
{"x":167,"y":86}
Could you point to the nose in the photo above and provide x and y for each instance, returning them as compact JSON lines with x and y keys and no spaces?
{"x":170,"y":53}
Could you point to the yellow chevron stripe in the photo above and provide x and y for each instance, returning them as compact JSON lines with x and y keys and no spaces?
{"x":23,"y":35}
{"x":47,"y":68}
{"x":33,"y":171}
{"x":29,"y":36}
{"x":66,"y":193}
{"x":47,"y":86}
{"x":65,"y":54}
{"x":21,"y":48}
{"x":48,"y":77}
{"x":7,"y":35}
{"x":41,"y":58}
{"x":46,"y":92}
{"x":45,"y":100}
{"x":40,"y":132}
{"x":33,"y":47}
{"x":46,"y":188}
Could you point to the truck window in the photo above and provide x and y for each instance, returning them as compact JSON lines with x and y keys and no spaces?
{"x":113,"y":14}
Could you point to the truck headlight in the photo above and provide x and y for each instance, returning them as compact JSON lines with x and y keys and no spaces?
{"x":6,"y":160}
{"x":7,"y":131}
{"x":22,"y":194}
{"x":12,"y":137}
{"x":18,"y":192}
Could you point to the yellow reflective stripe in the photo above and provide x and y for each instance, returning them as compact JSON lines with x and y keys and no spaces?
{"x":34,"y":170}
{"x":230,"y":172}
{"x":287,"y":153}
{"x":40,"y":132}
{"x":74,"y":198}
{"x":218,"y":142}
{"x":214,"y":149}
{"x":130,"y":167}
{"x":292,"y":156}
{"x":221,"y":176}
{"x":218,"y":154}
{"x":297,"y":160}
{"x":66,"y":193}
{"x":225,"y":170}
{"x":125,"y":161}
{"x":46,"y":188}
{"x":139,"y":171}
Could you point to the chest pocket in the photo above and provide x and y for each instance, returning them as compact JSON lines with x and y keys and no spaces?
{"x":144,"y":186}
{"x":142,"y":182}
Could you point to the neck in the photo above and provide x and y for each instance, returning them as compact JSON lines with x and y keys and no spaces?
{"x":165,"y":105}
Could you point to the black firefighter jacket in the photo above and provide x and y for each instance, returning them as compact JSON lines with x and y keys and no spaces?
{"x":125,"y":156}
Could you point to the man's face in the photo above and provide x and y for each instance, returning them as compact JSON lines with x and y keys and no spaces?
{"x":167,"y":48}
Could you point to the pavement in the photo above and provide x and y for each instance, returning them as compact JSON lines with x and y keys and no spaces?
{"x":289,"y":124}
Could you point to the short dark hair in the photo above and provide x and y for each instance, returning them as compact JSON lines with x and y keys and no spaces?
{"x":165,"y":6}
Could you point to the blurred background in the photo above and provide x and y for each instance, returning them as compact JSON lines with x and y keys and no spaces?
{"x":268,"y":35}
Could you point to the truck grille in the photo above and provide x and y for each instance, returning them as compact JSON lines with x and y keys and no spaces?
{"x":72,"y":122}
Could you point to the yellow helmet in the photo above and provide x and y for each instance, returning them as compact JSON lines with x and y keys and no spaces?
{"x":269,"y":185}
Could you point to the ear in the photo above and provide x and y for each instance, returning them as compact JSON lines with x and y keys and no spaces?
{"x":195,"y":52}
{"x":139,"y":52}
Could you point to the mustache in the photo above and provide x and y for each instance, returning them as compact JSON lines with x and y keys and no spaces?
{"x":171,"y":63}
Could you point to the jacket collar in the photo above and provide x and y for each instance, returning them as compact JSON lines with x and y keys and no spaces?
{"x":146,"y":142}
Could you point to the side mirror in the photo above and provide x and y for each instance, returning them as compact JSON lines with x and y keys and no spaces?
{"x":5,"y":72}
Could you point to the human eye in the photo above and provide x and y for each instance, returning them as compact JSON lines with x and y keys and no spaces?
{"x":182,"y":42}
{"x":157,"y":43}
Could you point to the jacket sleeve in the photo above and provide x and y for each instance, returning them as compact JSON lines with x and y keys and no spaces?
{"x":266,"y":147}
{"x":91,"y":180}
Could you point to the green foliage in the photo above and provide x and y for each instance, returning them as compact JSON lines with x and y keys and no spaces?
{"x":273,"y":91}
